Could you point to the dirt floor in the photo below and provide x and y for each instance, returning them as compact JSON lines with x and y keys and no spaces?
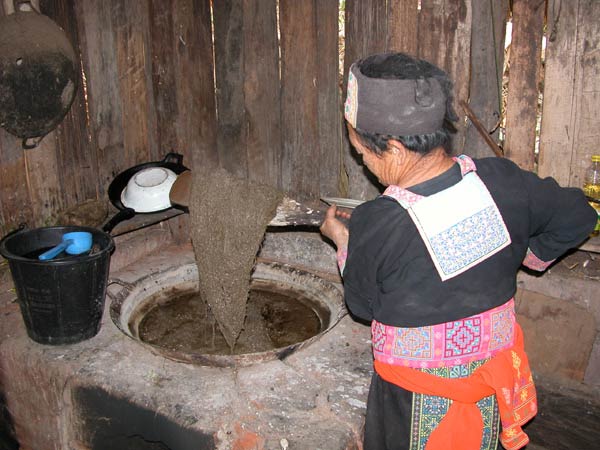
{"x":568,"y":417}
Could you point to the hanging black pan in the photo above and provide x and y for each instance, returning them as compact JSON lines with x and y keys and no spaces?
{"x":39,"y":74}
{"x":172,"y":161}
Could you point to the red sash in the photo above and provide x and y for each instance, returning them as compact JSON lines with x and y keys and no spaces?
{"x":507,"y":375}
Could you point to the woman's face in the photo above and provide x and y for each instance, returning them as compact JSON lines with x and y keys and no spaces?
{"x":383,"y":166}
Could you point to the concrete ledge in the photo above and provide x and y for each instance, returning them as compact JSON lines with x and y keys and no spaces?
{"x":560,"y":314}
{"x":63,"y":396}
{"x":559,"y":336}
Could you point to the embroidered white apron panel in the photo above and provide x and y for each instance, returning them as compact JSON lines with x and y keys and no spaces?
{"x":461,"y":226}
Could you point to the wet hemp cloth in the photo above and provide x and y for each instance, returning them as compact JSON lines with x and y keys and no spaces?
{"x":228,"y":220}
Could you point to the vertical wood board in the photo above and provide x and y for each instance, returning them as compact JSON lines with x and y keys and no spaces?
{"x":299,"y":103}
{"x":445,"y":40}
{"x":402,"y":26}
{"x":229,"y":61}
{"x":14,"y":194}
{"x":262,"y":91}
{"x":366,"y":33}
{"x":558,"y":110}
{"x":99,"y":59}
{"x":587,"y":96}
{"x":43,"y":182}
{"x":524,"y":76}
{"x":76,"y":157}
{"x":329,"y":114}
{"x":164,"y":73}
{"x":130,"y":22}
{"x":197,"y":120}
{"x":486,"y":69}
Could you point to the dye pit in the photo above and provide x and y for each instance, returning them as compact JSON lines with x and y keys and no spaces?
{"x":288,"y":309}
{"x":275,"y":317}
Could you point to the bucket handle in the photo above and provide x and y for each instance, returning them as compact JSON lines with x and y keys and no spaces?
{"x":22,"y":226}
{"x":124,"y":284}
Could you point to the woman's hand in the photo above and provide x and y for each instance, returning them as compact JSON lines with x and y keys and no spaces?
{"x":334,"y":229}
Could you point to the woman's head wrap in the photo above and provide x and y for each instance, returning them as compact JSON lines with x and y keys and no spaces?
{"x":397,"y":107}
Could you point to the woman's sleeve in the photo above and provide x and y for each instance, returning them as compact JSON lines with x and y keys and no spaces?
{"x":560,"y":219}
{"x":369,"y":230}
{"x":360,"y":287}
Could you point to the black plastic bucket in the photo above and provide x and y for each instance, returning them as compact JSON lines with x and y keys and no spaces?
{"x":61,"y":300}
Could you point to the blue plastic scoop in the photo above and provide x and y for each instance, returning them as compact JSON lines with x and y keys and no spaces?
{"x":74,"y":243}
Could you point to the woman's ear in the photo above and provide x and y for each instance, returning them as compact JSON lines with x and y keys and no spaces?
{"x":396,"y":148}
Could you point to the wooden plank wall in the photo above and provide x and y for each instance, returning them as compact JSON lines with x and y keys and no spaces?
{"x":146,"y":89}
{"x":570,"y":131}
{"x":253,"y":85}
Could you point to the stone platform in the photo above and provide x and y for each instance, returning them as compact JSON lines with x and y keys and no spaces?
{"x":111,"y":392}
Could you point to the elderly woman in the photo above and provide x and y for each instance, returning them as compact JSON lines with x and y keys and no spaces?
{"x":432,"y":263}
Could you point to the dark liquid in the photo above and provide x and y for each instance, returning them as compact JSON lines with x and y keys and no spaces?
{"x":62,"y":255}
{"x":36,"y":253}
{"x":273,"y":320}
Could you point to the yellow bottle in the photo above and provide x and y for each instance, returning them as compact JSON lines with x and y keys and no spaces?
{"x":591,"y":188}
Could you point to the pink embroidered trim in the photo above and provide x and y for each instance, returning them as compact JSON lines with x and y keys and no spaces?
{"x":466,"y":164}
{"x":447,"y":344}
{"x":402,"y":196}
{"x":535,"y":263}
{"x":407,"y":198}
